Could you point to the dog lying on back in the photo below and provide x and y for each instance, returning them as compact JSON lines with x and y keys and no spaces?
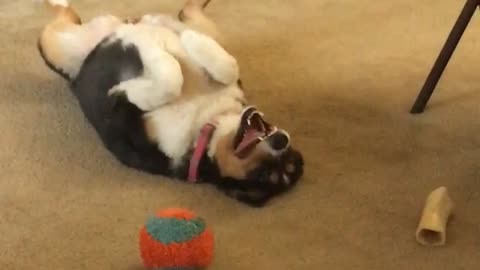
{"x":165,"y":98}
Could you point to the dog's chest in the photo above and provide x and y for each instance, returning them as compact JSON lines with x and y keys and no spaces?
{"x":176,"y":126}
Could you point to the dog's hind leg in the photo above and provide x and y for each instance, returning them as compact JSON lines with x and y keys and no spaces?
{"x":65,"y":42}
{"x":50,"y":43}
{"x":193,"y":15}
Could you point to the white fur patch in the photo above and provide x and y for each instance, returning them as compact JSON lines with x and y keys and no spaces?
{"x":207,"y":53}
{"x":74,"y":49}
{"x":63,"y":3}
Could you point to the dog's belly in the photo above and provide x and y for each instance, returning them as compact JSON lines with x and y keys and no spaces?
{"x":173,"y":126}
{"x":176,"y":126}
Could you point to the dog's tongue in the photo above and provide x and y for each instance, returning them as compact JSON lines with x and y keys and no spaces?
{"x":250,"y":138}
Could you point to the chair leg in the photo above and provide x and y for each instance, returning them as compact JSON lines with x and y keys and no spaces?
{"x":444,"y":56}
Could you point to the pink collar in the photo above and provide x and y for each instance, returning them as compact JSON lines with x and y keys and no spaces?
{"x":200,"y":149}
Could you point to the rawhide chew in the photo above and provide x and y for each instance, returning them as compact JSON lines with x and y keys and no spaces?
{"x":431,"y":230}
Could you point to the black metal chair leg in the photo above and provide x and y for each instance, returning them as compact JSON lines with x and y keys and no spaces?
{"x":444,"y":57}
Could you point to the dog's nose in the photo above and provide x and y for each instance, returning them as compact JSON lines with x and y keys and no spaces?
{"x":279,"y":141}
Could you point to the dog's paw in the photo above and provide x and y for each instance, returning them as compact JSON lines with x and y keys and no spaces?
{"x":283,"y":173}
{"x":266,"y":183}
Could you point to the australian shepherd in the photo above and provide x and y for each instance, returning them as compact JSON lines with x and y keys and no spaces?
{"x":165,"y":97}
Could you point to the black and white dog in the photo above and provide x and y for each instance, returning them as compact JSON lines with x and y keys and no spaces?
{"x":165,"y":98}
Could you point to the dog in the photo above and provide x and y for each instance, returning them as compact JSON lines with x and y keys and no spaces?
{"x":165,"y":97}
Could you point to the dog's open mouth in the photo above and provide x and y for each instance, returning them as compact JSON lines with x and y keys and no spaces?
{"x":253,"y":130}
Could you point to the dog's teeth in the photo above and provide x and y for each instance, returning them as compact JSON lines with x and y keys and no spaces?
{"x":286,"y":180}
{"x":290,"y":168}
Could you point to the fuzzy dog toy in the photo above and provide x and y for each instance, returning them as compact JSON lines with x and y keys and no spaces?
{"x":176,"y":238}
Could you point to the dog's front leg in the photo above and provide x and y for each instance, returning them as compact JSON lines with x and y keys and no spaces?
{"x":207,"y":53}
{"x":160,"y":84}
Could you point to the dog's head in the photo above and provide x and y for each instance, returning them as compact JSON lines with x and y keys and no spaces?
{"x":257,"y":161}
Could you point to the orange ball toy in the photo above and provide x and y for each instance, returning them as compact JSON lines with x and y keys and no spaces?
{"x":176,"y":238}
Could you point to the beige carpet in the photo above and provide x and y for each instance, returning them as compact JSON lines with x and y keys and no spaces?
{"x":340,"y":74}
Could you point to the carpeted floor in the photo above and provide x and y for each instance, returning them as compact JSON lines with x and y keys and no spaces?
{"x":340,"y":75}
